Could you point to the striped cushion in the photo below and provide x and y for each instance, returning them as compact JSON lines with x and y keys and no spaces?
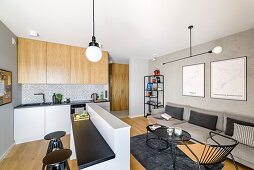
{"x":244,"y":134}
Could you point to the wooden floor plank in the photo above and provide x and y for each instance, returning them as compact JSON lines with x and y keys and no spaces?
{"x":28,"y":156}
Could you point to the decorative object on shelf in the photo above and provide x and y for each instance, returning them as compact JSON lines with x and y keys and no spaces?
{"x":228,"y":79}
{"x":194,"y":80}
{"x":216,"y":50}
{"x":149,"y":86}
{"x":154,"y":80}
{"x":93,"y":52}
{"x":158,"y":79}
{"x":156,"y":72}
{"x":5,"y":87}
{"x":81,"y":116}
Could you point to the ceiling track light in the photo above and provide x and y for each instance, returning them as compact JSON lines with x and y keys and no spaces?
{"x":216,"y":50}
{"x":93,"y":52}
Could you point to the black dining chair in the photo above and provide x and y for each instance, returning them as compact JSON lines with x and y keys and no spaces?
{"x":205,"y":154}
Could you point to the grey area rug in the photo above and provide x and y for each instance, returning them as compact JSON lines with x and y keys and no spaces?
{"x":153,"y":159}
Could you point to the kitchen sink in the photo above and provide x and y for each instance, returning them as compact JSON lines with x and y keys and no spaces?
{"x":37,"y":104}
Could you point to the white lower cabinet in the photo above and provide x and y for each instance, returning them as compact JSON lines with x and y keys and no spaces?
{"x":57,"y":118}
{"x":32,"y":124}
{"x":28,"y":124}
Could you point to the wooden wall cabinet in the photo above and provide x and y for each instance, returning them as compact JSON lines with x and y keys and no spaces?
{"x":50,"y":63}
{"x":80,"y":66}
{"x":58,"y":64}
{"x":99,"y":70}
{"x":31,"y":61}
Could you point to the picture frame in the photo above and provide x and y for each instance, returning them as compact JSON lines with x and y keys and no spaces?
{"x":5,"y":87}
{"x":193,"y":80}
{"x":228,"y":79}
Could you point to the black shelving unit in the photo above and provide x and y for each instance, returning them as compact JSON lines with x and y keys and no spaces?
{"x":157,"y":95}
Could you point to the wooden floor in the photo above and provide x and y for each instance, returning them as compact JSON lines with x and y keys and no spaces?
{"x":28,"y":156}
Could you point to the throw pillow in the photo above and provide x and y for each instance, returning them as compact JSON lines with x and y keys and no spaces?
{"x":244,"y":134}
{"x":174,"y":112}
{"x":203,"y":120}
{"x":230,"y":125}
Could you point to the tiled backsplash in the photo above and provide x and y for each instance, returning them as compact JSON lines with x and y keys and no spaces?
{"x":74,"y":92}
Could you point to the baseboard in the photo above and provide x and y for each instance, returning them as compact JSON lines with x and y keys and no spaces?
{"x":136,"y":116}
{"x":6,"y":152}
{"x":19,"y":141}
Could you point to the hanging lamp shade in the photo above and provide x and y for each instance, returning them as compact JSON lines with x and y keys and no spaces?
{"x":93,"y":52}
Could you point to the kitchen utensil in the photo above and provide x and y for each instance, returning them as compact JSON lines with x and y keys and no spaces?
{"x":94,"y":96}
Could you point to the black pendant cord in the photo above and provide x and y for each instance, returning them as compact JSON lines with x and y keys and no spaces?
{"x":190,"y":28}
{"x":93,"y":43}
{"x":210,"y":51}
{"x":93,"y":18}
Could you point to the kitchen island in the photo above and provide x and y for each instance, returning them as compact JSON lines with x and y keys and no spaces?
{"x":103,"y":142}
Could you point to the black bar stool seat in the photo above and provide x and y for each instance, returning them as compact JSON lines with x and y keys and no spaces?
{"x":57,"y":160}
{"x":55,"y":141}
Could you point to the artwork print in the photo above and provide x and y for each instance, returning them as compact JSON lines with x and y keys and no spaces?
{"x":228,"y":79}
{"x":194,"y":80}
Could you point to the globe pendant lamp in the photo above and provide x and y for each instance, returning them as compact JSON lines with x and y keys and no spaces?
{"x":93,"y":52}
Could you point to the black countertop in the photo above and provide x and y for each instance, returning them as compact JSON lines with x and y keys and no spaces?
{"x":90,"y":146}
{"x":51,"y":104}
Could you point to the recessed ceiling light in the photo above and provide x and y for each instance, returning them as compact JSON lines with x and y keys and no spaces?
{"x":34,"y":33}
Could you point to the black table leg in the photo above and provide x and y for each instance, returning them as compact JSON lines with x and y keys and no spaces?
{"x":173,"y":151}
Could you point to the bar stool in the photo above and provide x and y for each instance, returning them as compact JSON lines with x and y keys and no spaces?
{"x":57,"y":160}
{"x":55,"y":141}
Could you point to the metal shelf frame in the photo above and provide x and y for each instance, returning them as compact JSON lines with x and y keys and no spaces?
{"x":159,"y":93}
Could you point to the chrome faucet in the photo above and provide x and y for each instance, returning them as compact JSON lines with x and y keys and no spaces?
{"x":43,"y":96}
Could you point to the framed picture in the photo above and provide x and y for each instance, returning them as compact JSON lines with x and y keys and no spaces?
{"x":5,"y":87}
{"x":228,"y":79}
{"x":193,"y":81}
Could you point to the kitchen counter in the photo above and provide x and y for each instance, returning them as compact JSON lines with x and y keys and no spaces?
{"x":90,"y":146}
{"x":30,"y":105}
{"x":103,"y":142}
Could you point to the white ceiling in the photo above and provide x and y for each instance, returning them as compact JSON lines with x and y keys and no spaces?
{"x":128,"y":28}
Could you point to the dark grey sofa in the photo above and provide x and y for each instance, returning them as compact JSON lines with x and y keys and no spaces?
{"x":242,"y":153}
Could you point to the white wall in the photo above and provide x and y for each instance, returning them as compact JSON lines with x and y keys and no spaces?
{"x":138,"y":68}
{"x":237,"y":45}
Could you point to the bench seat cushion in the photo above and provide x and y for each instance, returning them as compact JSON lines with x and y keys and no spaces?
{"x":199,"y":133}
{"x":169,"y":123}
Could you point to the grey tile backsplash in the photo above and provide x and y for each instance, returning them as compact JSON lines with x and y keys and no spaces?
{"x":74,"y":92}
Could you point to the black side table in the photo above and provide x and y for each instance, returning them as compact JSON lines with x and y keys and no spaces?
{"x":162,"y":133}
{"x":160,"y":137}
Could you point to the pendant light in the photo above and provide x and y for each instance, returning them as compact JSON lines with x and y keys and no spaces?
{"x":93,"y":52}
{"x":216,"y":50}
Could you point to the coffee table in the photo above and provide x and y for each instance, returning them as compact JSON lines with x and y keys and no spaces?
{"x":170,"y":140}
{"x":148,"y":128}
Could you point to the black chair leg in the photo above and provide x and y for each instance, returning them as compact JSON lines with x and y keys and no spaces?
{"x":233,"y":161}
{"x":198,"y":166}
{"x":43,"y":167}
{"x":67,"y":165}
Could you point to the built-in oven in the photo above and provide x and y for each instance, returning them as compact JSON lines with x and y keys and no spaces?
{"x":78,"y":108}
